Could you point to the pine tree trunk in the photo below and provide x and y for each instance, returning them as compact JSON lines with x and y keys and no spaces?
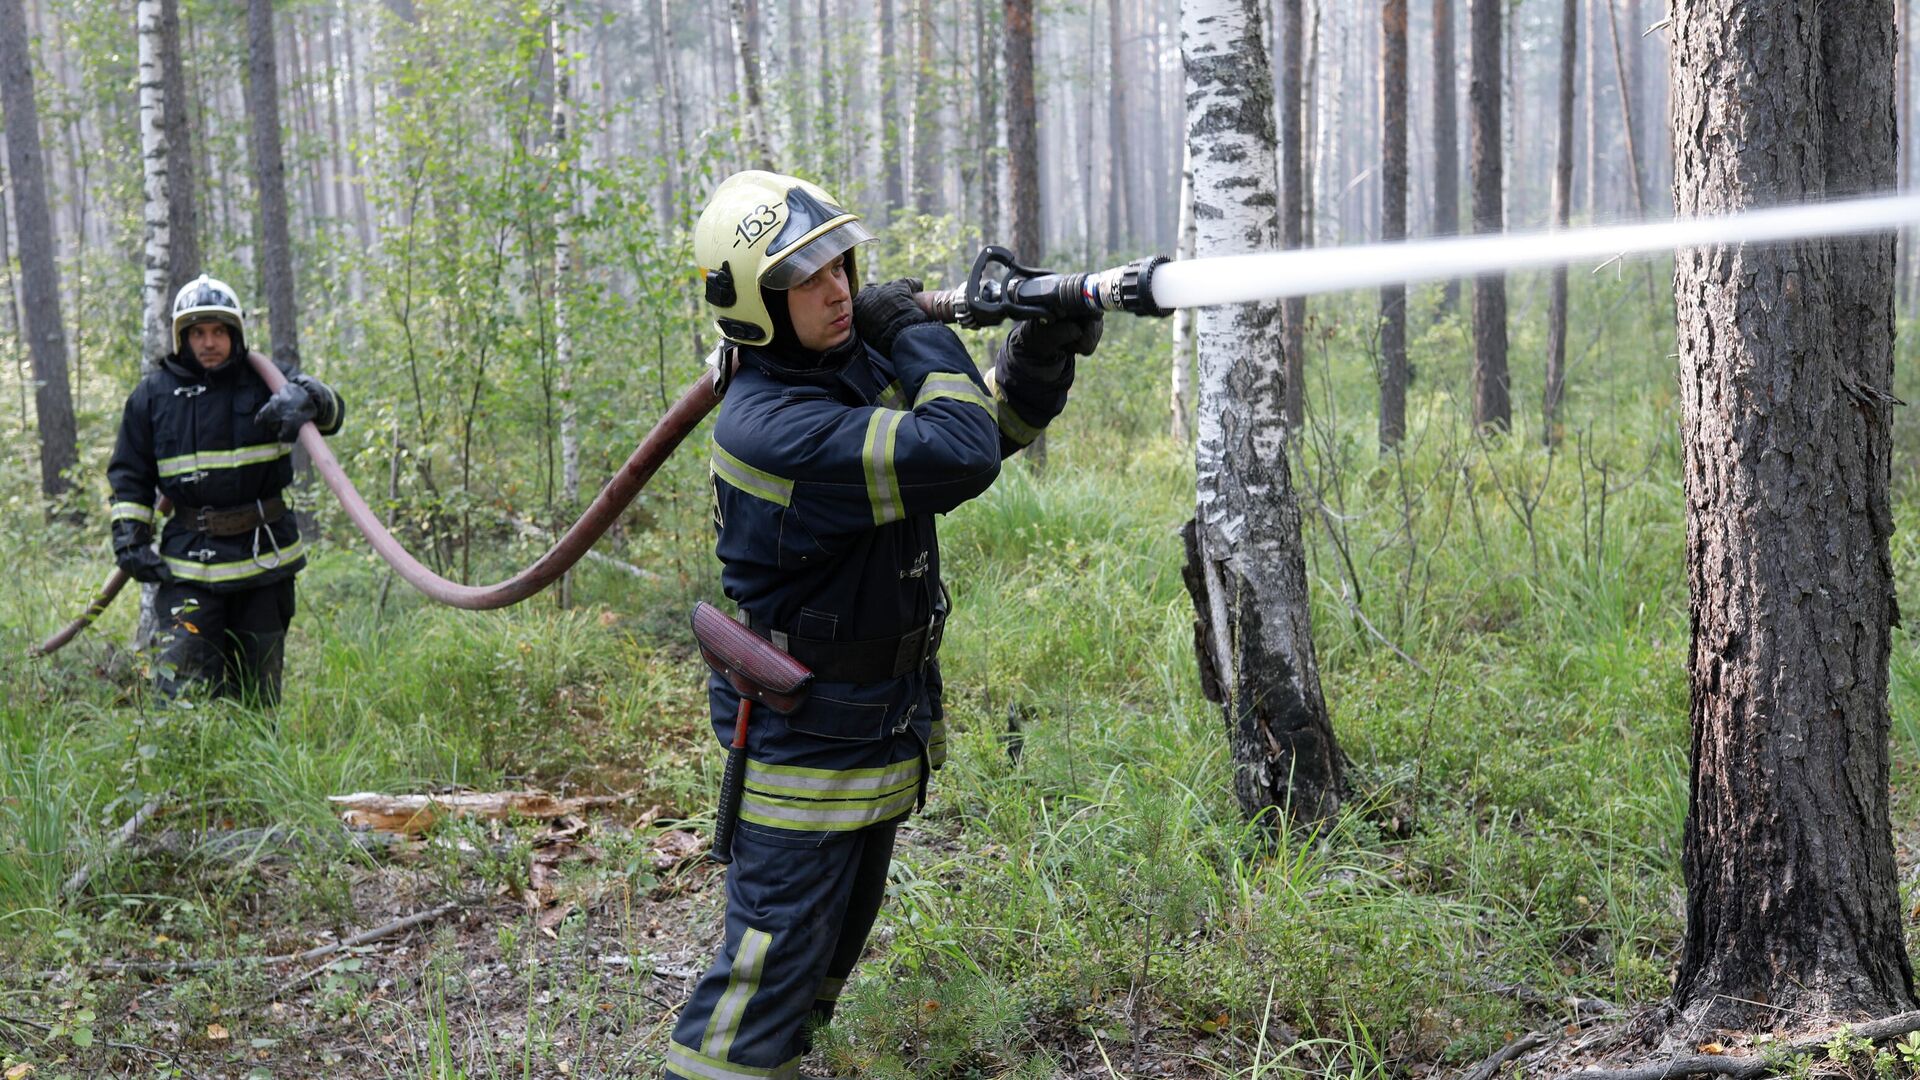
{"x":987,"y":107}
{"x":269,"y":175}
{"x":926,"y":113}
{"x":1246,"y":571}
{"x":183,"y":217}
{"x":1119,"y":117}
{"x":1023,"y":154}
{"x":1491,"y":407}
{"x":890,"y":113}
{"x":1562,"y":199}
{"x":1446,"y":140}
{"x":39,"y":273}
{"x":1786,"y":364}
{"x":1393,"y":217}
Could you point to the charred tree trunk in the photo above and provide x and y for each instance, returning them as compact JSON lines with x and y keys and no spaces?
{"x":1562,"y":200}
{"x":1393,"y":217}
{"x":1446,"y":140}
{"x":1491,"y":407}
{"x":1245,"y":566}
{"x":39,"y":273}
{"x":1786,"y":365}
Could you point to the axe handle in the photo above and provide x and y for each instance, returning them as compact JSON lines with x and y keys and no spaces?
{"x":732,"y":783}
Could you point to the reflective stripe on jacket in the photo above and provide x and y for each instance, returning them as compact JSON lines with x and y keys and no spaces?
{"x":825,"y":490}
{"x":189,"y":434}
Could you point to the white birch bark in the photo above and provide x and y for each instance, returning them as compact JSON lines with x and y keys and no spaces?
{"x":1246,"y":567}
{"x":1182,"y":396}
{"x":155,"y":333}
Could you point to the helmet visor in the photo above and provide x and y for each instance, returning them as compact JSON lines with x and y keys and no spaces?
{"x":808,"y":259}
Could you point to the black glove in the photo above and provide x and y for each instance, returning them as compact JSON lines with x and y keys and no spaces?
{"x":133,"y":552}
{"x":288,"y":408}
{"x":880,"y":312}
{"x":1043,"y":345}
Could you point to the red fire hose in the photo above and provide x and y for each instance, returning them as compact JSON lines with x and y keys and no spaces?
{"x":694,"y":404}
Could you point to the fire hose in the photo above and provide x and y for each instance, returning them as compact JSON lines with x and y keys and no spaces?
{"x":999,"y":288}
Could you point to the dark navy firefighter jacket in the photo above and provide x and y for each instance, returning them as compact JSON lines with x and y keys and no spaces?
{"x":825,"y":486}
{"x":188,"y":433}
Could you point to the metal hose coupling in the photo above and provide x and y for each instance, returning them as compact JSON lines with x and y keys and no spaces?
{"x":999,"y":288}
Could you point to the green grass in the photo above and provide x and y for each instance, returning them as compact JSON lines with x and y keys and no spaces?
{"x":1502,"y":634}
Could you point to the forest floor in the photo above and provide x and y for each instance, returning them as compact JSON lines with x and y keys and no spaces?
{"x":1502,"y":633}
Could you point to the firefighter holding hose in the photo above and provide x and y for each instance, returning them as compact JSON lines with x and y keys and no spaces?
{"x":851,"y":419}
{"x":202,"y":430}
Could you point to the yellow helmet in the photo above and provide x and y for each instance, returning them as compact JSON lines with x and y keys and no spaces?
{"x":765,"y":229}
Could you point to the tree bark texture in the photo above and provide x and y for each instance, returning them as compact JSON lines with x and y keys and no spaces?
{"x":183,"y":216}
{"x":39,"y":274}
{"x":747,"y":48}
{"x":156,"y":327}
{"x":1393,"y":217}
{"x":1023,"y":152}
{"x":1491,"y":406}
{"x":1246,"y":571}
{"x":890,"y":116}
{"x":1293,"y":310}
{"x":270,"y":183}
{"x":1786,"y":363}
{"x":1120,"y":116}
{"x":1181,"y":397}
{"x":1446,"y":140}
{"x":926,"y":113}
{"x":1562,"y":211}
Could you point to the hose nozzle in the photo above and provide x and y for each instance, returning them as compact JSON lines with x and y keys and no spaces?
{"x":998,"y":288}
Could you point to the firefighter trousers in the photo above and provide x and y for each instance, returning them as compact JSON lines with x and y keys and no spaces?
{"x":798,"y":914}
{"x":230,"y":644}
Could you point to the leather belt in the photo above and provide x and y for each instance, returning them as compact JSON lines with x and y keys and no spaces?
{"x":870,"y":661}
{"x":232,"y":520}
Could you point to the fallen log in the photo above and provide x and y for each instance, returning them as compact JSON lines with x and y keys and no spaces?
{"x":1754,"y":1065}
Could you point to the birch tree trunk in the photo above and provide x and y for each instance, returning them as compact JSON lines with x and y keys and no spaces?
{"x":156,"y":333}
{"x":1491,"y":406}
{"x":39,"y":273}
{"x":1393,"y":217}
{"x":1182,"y":381}
{"x":758,"y":149}
{"x":1786,"y":367}
{"x":1562,"y":213}
{"x":1245,"y":566}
